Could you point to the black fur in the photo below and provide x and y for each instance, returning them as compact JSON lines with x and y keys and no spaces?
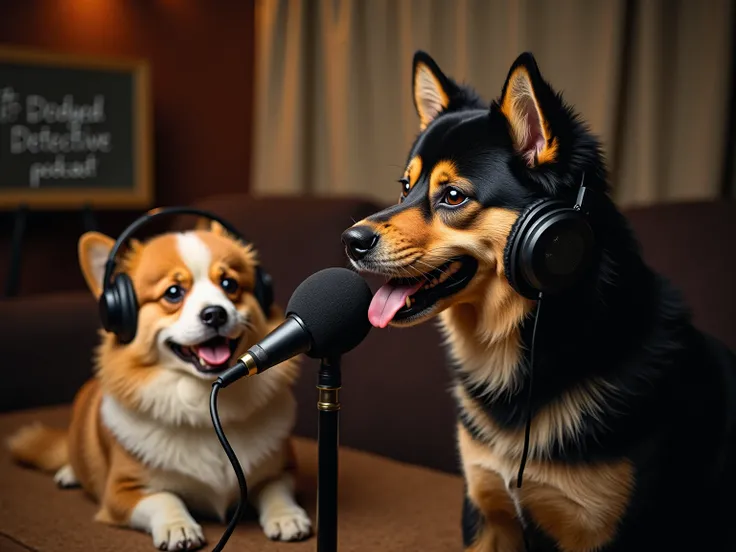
{"x":672,"y":406}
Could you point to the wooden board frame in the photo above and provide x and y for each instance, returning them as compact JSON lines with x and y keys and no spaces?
{"x":141,"y":195}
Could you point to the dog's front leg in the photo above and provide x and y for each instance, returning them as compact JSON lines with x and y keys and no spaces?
{"x":490,"y":521}
{"x":128,"y":502}
{"x":279,"y":514}
{"x":490,"y":518}
{"x":166,"y":518}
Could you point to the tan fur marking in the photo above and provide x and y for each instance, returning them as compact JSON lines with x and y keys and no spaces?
{"x":559,"y":421}
{"x":413,"y":170}
{"x":501,"y":530}
{"x":407,"y":222}
{"x":518,"y":93}
{"x":549,"y":153}
{"x":445,"y":172}
{"x":396,"y":245}
{"x":491,"y":310}
{"x":496,"y":367}
{"x":579,"y":506}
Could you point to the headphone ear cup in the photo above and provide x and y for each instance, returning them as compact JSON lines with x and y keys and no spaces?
{"x":119,"y":309}
{"x":512,"y":252}
{"x":109,"y":309}
{"x":128,"y":308}
{"x":557,"y":250}
{"x":264,"y":290}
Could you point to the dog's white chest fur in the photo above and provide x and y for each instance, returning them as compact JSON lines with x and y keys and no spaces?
{"x":188,"y":459}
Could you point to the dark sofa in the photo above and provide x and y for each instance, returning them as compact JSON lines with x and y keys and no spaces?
{"x":397,"y":424}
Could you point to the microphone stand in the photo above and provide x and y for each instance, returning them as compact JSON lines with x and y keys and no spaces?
{"x":329,"y":382}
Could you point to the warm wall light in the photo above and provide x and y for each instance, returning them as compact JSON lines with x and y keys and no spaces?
{"x":101,"y":12}
{"x":87,"y":22}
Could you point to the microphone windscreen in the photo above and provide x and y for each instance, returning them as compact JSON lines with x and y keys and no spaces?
{"x":333,"y":304}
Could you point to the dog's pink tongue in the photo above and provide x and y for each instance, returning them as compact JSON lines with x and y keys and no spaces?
{"x":387,"y":301}
{"x":214,"y":355}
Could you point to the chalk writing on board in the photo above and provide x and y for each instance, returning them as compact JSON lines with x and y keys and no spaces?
{"x":54,"y":128}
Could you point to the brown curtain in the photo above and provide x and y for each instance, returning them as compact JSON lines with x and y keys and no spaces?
{"x":334,"y":113}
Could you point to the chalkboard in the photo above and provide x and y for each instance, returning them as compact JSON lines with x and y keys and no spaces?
{"x":74,"y":132}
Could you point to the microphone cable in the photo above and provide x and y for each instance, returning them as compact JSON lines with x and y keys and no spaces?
{"x":236,"y":468}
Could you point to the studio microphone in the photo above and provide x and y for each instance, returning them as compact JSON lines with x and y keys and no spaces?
{"x":327,"y":316}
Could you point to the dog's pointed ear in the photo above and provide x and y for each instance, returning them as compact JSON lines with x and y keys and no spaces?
{"x":219,"y":230}
{"x":94,"y":249}
{"x":522,"y":105}
{"x":431,"y":88}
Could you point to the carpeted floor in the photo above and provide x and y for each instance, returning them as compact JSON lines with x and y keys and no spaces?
{"x":384,"y":506}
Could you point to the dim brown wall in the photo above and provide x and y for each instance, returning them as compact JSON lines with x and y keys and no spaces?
{"x":201,"y":58}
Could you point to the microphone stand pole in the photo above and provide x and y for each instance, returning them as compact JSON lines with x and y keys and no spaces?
{"x":329,"y":382}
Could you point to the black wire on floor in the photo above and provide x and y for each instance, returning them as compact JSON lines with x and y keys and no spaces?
{"x":236,"y":468}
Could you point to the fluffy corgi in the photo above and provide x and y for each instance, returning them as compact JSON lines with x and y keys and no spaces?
{"x":632,"y":445}
{"x":141,"y":441}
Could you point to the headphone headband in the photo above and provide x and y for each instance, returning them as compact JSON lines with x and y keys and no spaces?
{"x":146,"y":218}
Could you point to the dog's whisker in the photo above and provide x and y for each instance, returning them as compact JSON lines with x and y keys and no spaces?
{"x":425,"y":276}
{"x":443,"y":260}
{"x":430,"y":266}
{"x":413,"y":276}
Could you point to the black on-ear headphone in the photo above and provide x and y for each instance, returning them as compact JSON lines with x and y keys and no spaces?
{"x":118,"y":303}
{"x":550,"y":246}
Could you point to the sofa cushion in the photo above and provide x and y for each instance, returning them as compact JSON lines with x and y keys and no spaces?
{"x":383,"y":505}
{"x":47,"y":345}
{"x":689,"y":243}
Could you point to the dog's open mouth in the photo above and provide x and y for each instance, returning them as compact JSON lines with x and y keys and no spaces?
{"x":208,"y":357}
{"x":405,"y":299}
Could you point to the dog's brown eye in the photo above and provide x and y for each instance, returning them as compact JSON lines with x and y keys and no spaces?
{"x":454,"y":197}
{"x":405,"y":186}
{"x":230,"y":285}
{"x":174,"y":294}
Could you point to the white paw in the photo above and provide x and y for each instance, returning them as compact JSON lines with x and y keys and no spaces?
{"x":65,"y":478}
{"x":178,"y":535}
{"x":289,"y":523}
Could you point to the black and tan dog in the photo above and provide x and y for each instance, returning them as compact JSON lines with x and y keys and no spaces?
{"x":632,"y":440}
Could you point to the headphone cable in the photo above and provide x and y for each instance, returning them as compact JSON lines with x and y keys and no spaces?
{"x":528,"y":428}
{"x":236,"y":468}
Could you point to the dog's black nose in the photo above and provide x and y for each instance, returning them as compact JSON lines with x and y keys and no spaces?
{"x":359,"y":240}
{"x":214,"y":316}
